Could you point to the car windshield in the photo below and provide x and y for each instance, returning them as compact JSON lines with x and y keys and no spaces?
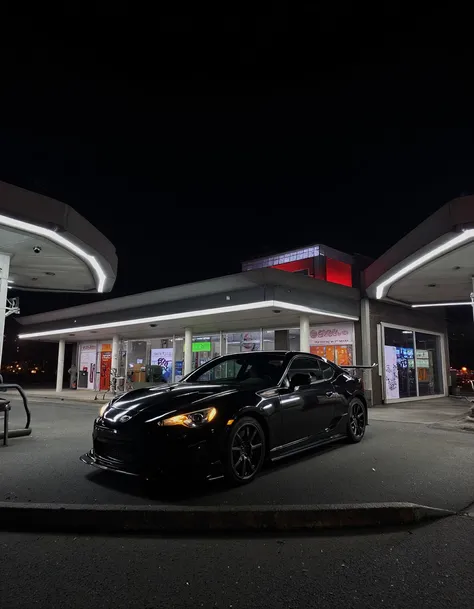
{"x":249,"y":369}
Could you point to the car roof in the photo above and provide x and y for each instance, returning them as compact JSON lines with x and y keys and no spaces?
{"x":275,"y":352}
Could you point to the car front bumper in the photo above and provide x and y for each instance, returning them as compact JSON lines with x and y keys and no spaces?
{"x":91,"y":458}
{"x":174,"y":454}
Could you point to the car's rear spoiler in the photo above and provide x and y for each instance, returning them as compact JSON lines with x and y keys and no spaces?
{"x":359,"y":366}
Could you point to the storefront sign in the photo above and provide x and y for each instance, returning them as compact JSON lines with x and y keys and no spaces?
{"x":203,"y":346}
{"x":392,"y":389}
{"x":423,"y":363}
{"x":332,"y":334}
{"x":422,"y":358}
{"x":106,"y":347}
{"x":88,"y":347}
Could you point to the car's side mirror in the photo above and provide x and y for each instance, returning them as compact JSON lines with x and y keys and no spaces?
{"x":300,"y":380}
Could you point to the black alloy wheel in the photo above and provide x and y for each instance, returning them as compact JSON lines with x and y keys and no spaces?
{"x":246,"y":451}
{"x":357,"y":421}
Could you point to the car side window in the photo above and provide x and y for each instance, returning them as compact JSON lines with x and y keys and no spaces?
{"x":306,"y":365}
{"x":327,"y":371}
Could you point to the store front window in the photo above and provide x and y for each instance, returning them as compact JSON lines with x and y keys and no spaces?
{"x":412,"y":366}
{"x":428,"y":364}
{"x":400,"y":374}
{"x":204,"y":348}
{"x":160,"y":361}
{"x":294,"y":339}
{"x":268,"y":340}
{"x":242,"y":342}
{"x":335,"y":342}
{"x":137,"y":361}
{"x":178,"y":358}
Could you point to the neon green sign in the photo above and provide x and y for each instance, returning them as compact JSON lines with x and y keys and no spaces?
{"x":198,"y":347}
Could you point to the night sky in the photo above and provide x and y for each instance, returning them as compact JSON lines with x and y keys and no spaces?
{"x":194,"y":141}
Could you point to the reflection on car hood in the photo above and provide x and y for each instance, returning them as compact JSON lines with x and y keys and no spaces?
{"x":164,"y":398}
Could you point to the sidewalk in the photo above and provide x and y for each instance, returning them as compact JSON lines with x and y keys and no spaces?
{"x":69,"y":395}
{"x":443,"y":413}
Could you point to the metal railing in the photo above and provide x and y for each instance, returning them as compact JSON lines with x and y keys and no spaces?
{"x":25,"y":431}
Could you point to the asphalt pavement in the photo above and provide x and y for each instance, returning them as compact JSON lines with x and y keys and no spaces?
{"x":426,"y":566}
{"x":395,"y":462}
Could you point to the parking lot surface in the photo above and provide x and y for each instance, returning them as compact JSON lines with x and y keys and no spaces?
{"x":395,"y":462}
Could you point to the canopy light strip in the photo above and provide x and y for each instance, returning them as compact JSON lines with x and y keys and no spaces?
{"x":52,"y":235}
{"x":274,"y":304}
{"x":441,"y":304}
{"x":466,"y":235}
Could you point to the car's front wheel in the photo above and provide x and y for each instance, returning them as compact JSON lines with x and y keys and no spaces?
{"x":357,"y":421}
{"x":245,"y":451}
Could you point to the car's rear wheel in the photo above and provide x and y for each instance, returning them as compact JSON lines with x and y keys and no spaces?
{"x":245,"y":451}
{"x":357,"y":421}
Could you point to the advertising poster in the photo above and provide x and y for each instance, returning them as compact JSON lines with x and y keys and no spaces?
{"x":163,"y":358}
{"x":392,"y":389}
{"x":179,"y":370}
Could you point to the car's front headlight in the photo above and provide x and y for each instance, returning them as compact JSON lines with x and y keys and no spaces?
{"x":198,"y":418}
{"x":105,"y":406}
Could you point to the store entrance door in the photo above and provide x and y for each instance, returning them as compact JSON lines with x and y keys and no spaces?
{"x":105,"y":370}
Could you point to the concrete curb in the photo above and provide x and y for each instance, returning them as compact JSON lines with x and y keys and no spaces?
{"x":54,"y":399}
{"x":69,"y":518}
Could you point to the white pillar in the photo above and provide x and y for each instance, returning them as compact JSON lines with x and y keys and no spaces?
{"x":173,"y":361}
{"x":366,"y":345}
{"x":472,"y":295}
{"x":115,"y":353}
{"x":188,"y":350}
{"x":4,"y":271}
{"x":304,"y":333}
{"x":60,"y":370}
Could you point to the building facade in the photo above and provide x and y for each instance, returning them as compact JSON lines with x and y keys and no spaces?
{"x":310,"y":300}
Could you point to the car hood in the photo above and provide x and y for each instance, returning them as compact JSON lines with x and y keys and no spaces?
{"x":164,"y":399}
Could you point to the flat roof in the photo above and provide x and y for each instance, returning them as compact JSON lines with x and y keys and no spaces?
{"x":300,"y":253}
{"x":259,"y":298}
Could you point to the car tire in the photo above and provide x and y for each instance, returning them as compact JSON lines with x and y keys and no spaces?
{"x":357,"y":422}
{"x":245,"y":451}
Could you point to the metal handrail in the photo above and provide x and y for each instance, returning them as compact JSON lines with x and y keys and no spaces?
{"x":5,"y":386}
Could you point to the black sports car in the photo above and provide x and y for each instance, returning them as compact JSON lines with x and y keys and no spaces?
{"x":228,"y":416}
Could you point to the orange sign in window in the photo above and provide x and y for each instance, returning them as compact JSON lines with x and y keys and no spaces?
{"x":339,"y":354}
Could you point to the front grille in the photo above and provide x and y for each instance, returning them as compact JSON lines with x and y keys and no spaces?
{"x":110,"y":445}
{"x":118,"y":452}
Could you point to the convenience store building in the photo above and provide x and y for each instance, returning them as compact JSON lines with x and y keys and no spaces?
{"x":315,"y":299}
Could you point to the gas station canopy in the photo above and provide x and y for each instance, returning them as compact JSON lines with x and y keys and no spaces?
{"x":51,"y":247}
{"x":46,"y":246}
{"x":433,"y":265}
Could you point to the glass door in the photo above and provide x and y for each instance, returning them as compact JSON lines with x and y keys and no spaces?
{"x":412,"y":363}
